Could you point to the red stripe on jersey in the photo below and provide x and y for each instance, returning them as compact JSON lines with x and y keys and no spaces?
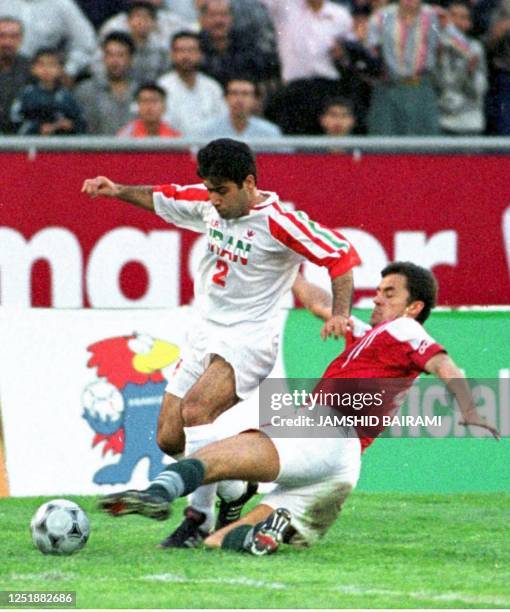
{"x":281,"y":234}
{"x":305,"y":230}
{"x":350,"y":260}
{"x":191,"y":194}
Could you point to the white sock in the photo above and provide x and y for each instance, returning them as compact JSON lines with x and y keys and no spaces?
{"x":231,"y":489}
{"x":204,"y":497}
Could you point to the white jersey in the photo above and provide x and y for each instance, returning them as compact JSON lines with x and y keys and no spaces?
{"x":250,"y":262}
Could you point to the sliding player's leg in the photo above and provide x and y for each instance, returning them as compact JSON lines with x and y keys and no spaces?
{"x":248,"y":456}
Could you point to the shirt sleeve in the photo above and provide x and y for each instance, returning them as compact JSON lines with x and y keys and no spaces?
{"x":185,"y":207}
{"x":315,"y":242}
{"x":418,"y":344}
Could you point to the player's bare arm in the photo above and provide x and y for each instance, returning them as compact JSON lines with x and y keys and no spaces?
{"x":314,"y":298}
{"x":342,"y":289}
{"x":445,"y":369}
{"x":139,"y":195}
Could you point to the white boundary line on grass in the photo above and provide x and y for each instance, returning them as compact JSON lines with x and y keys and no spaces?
{"x":453,"y":596}
{"x":465,"y":598}
{"x":243,"y":581}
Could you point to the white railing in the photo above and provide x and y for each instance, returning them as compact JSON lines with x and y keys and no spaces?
{"x":318,"y":144}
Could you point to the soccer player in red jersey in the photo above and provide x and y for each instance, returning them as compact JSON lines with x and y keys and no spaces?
{"x":315,"y":475}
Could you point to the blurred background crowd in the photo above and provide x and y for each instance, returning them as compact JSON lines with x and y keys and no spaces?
{"x":254,"y":68}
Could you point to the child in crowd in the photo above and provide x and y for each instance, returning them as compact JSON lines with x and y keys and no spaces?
{"x":151,"y":100}
{"x":337,"y":117}
{"x":45,"y":107}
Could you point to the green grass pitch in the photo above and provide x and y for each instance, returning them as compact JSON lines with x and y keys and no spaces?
{"x":386,"y":550}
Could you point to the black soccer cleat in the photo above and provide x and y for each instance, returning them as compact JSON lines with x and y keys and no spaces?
{"x":268,"y":537}
{"x":230,"y":511}
{"x":135,"y":502}
{"x":188,"y":534}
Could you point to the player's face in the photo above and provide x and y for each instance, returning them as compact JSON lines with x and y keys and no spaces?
{"x":391,"y":299}
{"x":230,"y":200}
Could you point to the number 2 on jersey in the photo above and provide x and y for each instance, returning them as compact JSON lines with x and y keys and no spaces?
{"x":221,"y":273}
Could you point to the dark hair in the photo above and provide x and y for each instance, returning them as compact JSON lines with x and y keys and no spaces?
{"x":184,"y":34}
{"x":337,"y":101}
{"x":463,"y":3}
{"x":122,"y":38}
{"x":241,"y":77}
{"x":142,"y":4}
{"x":421,"y":284}
{"x":151,"y":86}
{"x":226,"y":160}
{"x":47,"y":51}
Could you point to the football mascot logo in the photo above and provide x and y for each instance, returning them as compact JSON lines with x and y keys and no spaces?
{"x":122,"y":405}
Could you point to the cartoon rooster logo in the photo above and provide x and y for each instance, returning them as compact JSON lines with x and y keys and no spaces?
{"x":122,"y":406}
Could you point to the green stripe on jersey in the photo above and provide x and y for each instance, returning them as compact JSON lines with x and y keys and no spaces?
{"x":323,"y":232}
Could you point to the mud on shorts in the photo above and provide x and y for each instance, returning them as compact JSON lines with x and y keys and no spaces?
{"x":250,"y":349}
{"x":316,"y":477}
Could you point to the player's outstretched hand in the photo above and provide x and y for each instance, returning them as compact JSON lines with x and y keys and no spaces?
{"x":100,"y":186}
{"x":479,"y":421}
{"x":337,"y":325}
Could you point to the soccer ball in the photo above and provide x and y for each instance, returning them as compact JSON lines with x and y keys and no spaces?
{"x":60,"y":527}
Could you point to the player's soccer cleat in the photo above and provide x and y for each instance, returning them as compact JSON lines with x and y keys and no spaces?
{"x":188,"y":534}
{"x":135,"y":502}
{"x":268,"y":537}
{"x":230,"y":511}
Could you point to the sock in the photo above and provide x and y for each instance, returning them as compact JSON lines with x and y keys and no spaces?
{"x":204,"y":497}
{"x":229,"y":490}
{"x":238,"y":538}
{"x":178,"y":479}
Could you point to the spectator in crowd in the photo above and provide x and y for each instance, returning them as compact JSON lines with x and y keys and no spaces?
{"x":166,"y":24}
{"x":461,"y":80}
{"x":151,"y":100}
{"x":193,"y":98}
{"x":107,"y":98}
{"x":337,"y":117}
{"x":498,"y":46}
{"x":56,"y":24}
{"x":406,"y":37}
{"x":46,"y":107}
{"x":150,"y":59}
{"x":228,"y":52}
{"x":240,"y":123}
{"x":14,"y":69}
{"x":308,"y":33}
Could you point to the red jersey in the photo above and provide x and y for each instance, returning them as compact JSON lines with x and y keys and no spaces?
{"x":397,"y":349}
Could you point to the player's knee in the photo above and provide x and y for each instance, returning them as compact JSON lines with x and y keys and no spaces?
{"x":193,"y":414}
{"x":170,"y":441}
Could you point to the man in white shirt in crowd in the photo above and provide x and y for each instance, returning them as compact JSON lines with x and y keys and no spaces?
{"x":240,"y":122}
{"x":307,"y":31}
{"x":193,"y":98}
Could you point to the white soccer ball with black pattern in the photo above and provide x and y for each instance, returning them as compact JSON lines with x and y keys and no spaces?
{"x":60,"y":527}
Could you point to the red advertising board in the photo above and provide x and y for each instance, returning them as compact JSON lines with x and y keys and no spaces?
{"x":59,"y":248}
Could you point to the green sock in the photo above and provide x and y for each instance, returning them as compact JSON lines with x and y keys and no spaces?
{"x":236,"y":539}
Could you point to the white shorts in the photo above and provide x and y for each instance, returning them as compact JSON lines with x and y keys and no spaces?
{"x":316,"y":476}
{"x":250,"y":349}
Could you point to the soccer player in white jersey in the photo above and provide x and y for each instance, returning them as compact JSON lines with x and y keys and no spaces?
{"x":252,"y":257}
{"x":315,"y":475}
